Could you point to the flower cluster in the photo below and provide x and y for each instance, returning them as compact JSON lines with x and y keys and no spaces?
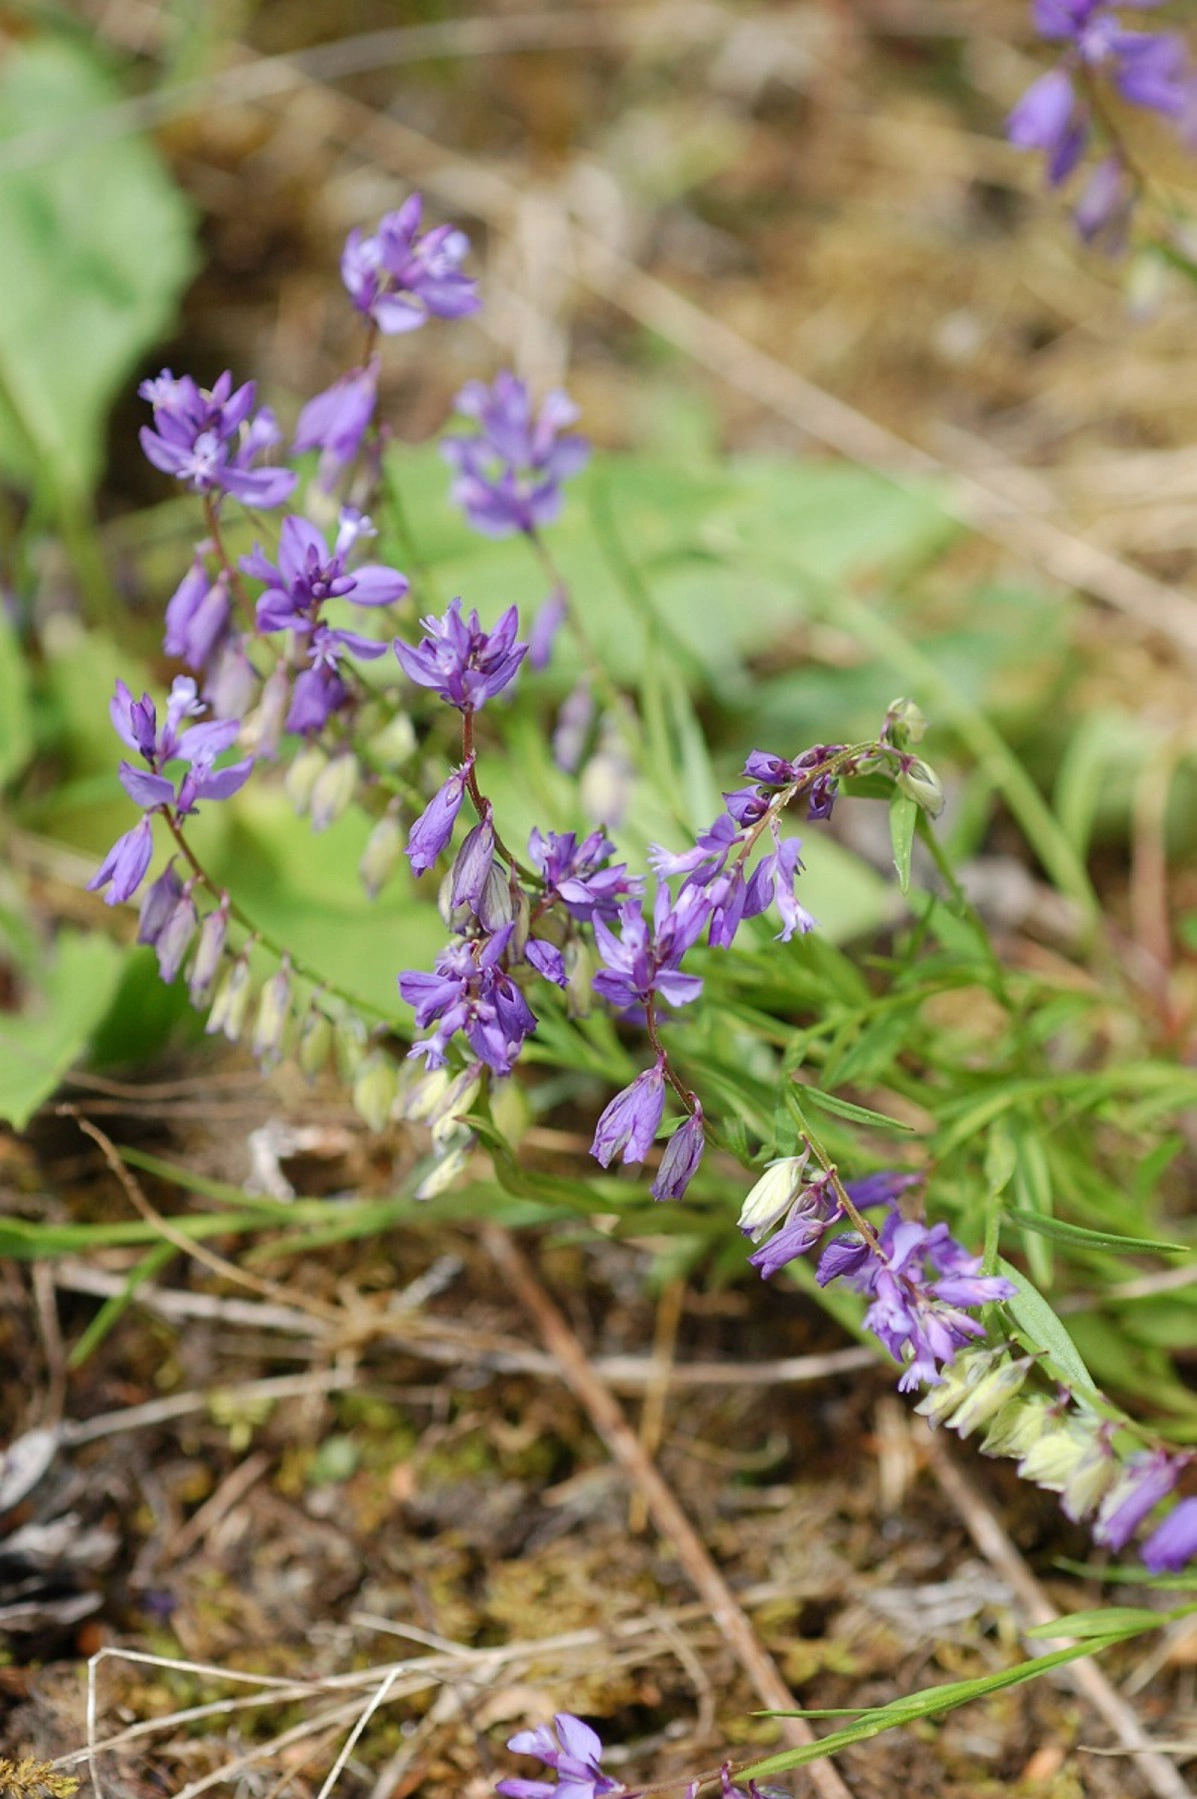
{"x":1063,"y":112}
{"x":509,"y":472}
{"x":572,"y":1750}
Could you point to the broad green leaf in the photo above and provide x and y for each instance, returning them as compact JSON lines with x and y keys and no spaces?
{"x":98,"y":244}
{"x":42,"y":1041}
{"x":903,"y":816}
{"x":1043,"y":1331}
{"x":16,"y":732}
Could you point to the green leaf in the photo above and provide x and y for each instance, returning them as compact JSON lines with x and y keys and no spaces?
{"x":1077,"y":1233}
{"x":843,"y":1108}
{"x":97,"y":248}
{"x":40,"y":1043}
{"x":16,"y":731}
{"x":1102,"y":1621}
{"x":1043,"y":1331}
{"x":903,"y":817}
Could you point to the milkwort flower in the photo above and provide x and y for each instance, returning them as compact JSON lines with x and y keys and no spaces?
{"x":336,"y":421}
{"x":1055,"y":115}
{"x":642,"y":963}
{"x":683,"y":1153}
{"x":717,"y":866}
{"x":628,"y":1125}
{"x":136,"y":724}
{"x":470,"y":991}
{"x":580,"y":875}
{"x":460,"y":661}
{"x":509,"y":473}
{"x":399,"y":277}
{"x":572,"y":1750}
{"x":207,"y":439}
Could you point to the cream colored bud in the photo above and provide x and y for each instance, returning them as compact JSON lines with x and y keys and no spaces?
{"x":451,"y":1165}
{"x":231,"y":1003}
{"x":580,"y":971}
{"x":939,"y":1402}
{"x":374,"y":1089}
{"x":381,"y":854}
{"x":988,"y":1397}
{"x":905,"y":723}
{"x":274,"y":1013}
{"x":395,"y":744}
{"x":1090,"y":1480}
{"x":776,"y":1190}
{"x":919,"y":782}
{"x":455,"y":1101}
{"x":333,"y":791}
{"x":349,"y":1037}
{"x":1019,"y":1425}
{"x":421,"y":1093}
{"x":1052,"y":1461}
{"x":315,"y":1042}
{"x":309,"y":764}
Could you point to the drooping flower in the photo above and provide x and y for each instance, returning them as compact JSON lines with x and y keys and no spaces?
{"x":683,"y":1153}
{"x":1172,"y":1545}
{"x":572,"y":1750}
{"x":1145,"y":1480}
{"x":430,"y":834}
{"x":509,"y":473}
{"x":399,"y":277}
{"x":197,"y":616}
{"x":207,"y":439}
{"x":628,"y":1124}
{"x":460,"y":661}
{"x":469,"y":991}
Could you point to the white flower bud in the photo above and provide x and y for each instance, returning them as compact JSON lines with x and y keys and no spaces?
{"x":231,"y":1003}
{"x":920,"y":783}
{"x":381,"y":854}
{"x":773,"y":1194}
{"x":988,"y":1397}
{"x":374,"y":1089}
{"x":309,"y":764}
{"x":1052,"y":1461}
{"x":447,"y":1170}
{"x":315,"y":1042}
{"x":333,"y":791}
{"x":274,"y":1012}
{"x":395,"y":744}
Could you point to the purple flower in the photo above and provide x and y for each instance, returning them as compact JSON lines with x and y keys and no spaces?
{"x":573,"y":1753}
{"x":919,"y":1286}
{"x":1146,"y":1480}
{"x":576,"y":874}
{"x":308,"y":574}
{"x":336,"y":421}
{"x":471,"y":870}
{"x":197,"y":617}
{"x":629,"y":1123}
{"x":174,"y":939}
{"x":1173,"y":1544}
{"x":193,"y":438}
{"x":470,"y":992}
{"x":125,"y":865}
{"x":683,"y":1153}
{"x":432,"y":830}
{"x":399,"y":278}
{"x":318,"y":693}
{"x":1104,"y":209}
{"x":547,"y":960}
{"x":157,"y":903}
{"x":643,"y":963}
{"x":545,"y":626}
{"x":509,"y":473}
{"x":460,"y":661}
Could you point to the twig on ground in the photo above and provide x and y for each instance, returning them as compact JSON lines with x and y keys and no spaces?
{"x":668,"y":1516}
{"x":652,"y":1416}
{"x":987,"y":1532}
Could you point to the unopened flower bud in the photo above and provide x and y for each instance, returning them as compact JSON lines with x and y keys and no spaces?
{"x":309,"y":764}
{"x":395,"y":744}
{"x":333,"y":791}
{"x":374,"y":1089}
{"x":777,"y":1188}
{"x":263,"y":729}
{"x":274,"y":1012}
{"x":1052,"y":1461}
{"x":580,"y":969}
{"x":1018,"y":1425}
{"x":350,"y":1038}
{"x":904,"y":724}
{"x":315,"y":1042}
{"x":231,"y":1004}
{"x":606,"y":783}
{"x":381,"y":854}
{"x":573,"y":727}
{"x":959,"y":1377}
{"x":447,"y":1170}
{"x":472,"y":865}
{"x":920,"y":783}
{"x":421,"y":1094}
{"x":509,"y":1110}
{"x":450,"y":1108}
{"x":989,"y":1395}
{"x":204,"y":968}
{"x":158,"y":902}
{"x":496,"y":905}
{"x":1091,"y":1479}
{"x":174,"y":939}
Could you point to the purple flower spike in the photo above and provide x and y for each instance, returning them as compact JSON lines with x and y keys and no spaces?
{"x":206,"y":439}
{"x":572,"y":1750}
{"x":336,"y":421}
{"x":509,"y":474}
{"x":432,"y":830}
{"x":1147,"y":1479}
{"x":579,"y":876}
{"x":628,"y":1125}
{"x":399,"y":278}
{"x":1173,"y":1544}
{"x":683,"y":1153}
{"x":460,"y":661}
{"x":641,"y":963}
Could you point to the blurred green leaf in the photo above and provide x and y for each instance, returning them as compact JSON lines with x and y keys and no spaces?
{"x":98,"y":244}
{"x":1043,"y":1331}
{"x":16,"y":731}
{"x":40,"y":1043}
